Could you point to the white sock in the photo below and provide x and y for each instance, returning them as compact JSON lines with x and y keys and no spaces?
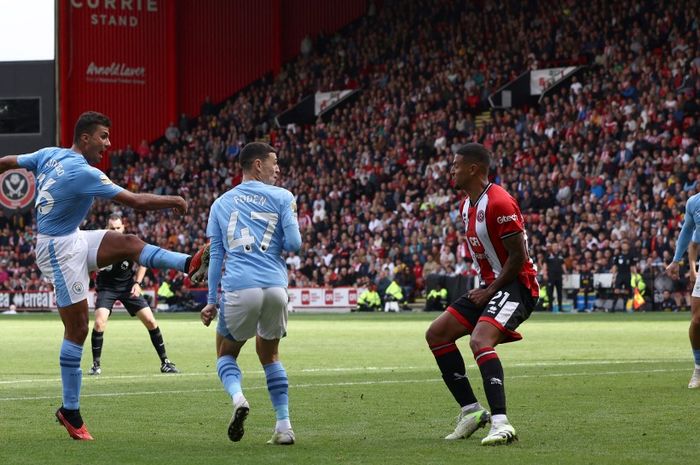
{"x":471,"y":407}
{"x":499,"y":420}
{"x":283,"y":425}
{"x":238,"y":398}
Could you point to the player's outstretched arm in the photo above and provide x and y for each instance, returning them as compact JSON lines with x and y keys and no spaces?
{"x":141,"y":201}
{"x":692,"y":261}
{"x":8,"y":162}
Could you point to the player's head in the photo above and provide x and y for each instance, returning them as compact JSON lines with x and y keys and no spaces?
{"x":471,"y":161}
{"x":115,"y":223}
{"x":259,"y":161}
{"x":91,"y":135}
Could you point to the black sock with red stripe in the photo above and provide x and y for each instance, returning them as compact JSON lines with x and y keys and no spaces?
{"x":492,"y":374}
{"x":451,"y":364}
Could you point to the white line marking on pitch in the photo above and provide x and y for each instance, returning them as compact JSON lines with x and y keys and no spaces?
{"x":349,"y":383}
{"x":160,"y":376}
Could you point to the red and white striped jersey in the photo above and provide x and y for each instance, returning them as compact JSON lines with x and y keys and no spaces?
{"x":494,"y":216}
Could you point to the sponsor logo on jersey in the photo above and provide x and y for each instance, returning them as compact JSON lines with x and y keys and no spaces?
{"x":507,"y":218}
{"x":16,"y":189}
{"x":480,"y":216}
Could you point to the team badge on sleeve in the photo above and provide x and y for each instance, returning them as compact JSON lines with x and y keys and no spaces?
{"x":105,"y":180}
{"x":293,"y":205}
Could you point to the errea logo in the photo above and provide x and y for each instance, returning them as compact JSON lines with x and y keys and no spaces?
{"x":506,"y":219}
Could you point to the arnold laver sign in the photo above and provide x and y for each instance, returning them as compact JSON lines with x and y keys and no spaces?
{"x":16,"y":189}
{"x":115,"y":72}
{"x":122,"y":13}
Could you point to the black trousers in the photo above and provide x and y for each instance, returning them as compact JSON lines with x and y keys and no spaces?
{"x":551,"y":285}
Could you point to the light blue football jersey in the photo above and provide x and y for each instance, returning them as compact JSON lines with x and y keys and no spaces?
{"x":691,"y":227}
{"x":66,"y":186}
{"x":251,"y":224}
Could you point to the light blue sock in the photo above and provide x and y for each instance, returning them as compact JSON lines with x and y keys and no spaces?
{"x":71,"y":374}
{"x":696,"y":355}
{"x":229,"y":374}
{"x":155,"y":257}
{"x":278,"y":387}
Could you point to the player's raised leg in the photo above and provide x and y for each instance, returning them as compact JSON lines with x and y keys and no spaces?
{"x":441,"y":337}
{"x":115,"y":247}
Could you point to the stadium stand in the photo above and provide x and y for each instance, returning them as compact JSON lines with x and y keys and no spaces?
{"x":610,"y":158}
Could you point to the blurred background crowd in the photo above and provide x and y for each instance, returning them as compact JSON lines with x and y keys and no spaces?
{"x":602,"y":167}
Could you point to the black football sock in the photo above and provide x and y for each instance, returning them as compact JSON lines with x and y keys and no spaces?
{"x":492,"y":374}
{"x":96,"y":340}
{"x":72,"y":416}
{"x":158,"y":344}
{"x":451,"y":364}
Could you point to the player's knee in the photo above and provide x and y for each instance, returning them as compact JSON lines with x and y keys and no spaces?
{"x":78,"y":331}
{"x":132,"y":244}
{"x":695,"y":320}
{"x":433,"y":335}
{"x":150,"y":324}
{"x":478,"y":342}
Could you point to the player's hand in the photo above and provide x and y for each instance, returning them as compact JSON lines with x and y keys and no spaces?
{"x":208,"y":314}
{"x":181,"y":205}
{"x":135,"y":290}
{"x":480,"y":297}
{"x":672,"y":270}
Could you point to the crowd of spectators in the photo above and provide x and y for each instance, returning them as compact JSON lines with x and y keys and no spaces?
{"x":610,"y":158}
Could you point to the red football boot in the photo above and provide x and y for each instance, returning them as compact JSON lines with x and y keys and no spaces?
{"x":199,"y":265}
{"x":79,"y":434}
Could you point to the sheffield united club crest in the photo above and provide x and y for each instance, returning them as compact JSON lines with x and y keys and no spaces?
{"x":16,"y":190}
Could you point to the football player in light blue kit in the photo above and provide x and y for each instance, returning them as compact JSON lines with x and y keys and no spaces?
{"x":251,"y":225}
{"x":690,"y":236}
{"x":66,"y":188}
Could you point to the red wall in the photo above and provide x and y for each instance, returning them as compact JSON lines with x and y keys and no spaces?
{"x":184,"y":50}
{"x":222,"y":48}
{"x":140,"y":104}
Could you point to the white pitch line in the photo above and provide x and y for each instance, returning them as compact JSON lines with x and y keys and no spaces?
{"x":160,"y":376}
{"x":341,"y":384}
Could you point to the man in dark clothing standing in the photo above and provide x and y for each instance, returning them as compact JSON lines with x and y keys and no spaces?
{"x":116,"y":282}
{"x":555,"y":273}
{"x":622,"y":263}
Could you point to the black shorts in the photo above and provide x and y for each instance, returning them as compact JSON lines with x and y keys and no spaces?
{"x":106,"y":299}
{"x":622,"y":282}
{"x":508,"y":308}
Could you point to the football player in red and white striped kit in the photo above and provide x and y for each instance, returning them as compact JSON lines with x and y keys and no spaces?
{"x":491,"y":313}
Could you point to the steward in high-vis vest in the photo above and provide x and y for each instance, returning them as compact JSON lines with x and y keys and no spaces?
{"x":369,"y":300}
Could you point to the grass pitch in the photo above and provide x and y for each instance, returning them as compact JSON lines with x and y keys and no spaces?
{"x":364,"y":389}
